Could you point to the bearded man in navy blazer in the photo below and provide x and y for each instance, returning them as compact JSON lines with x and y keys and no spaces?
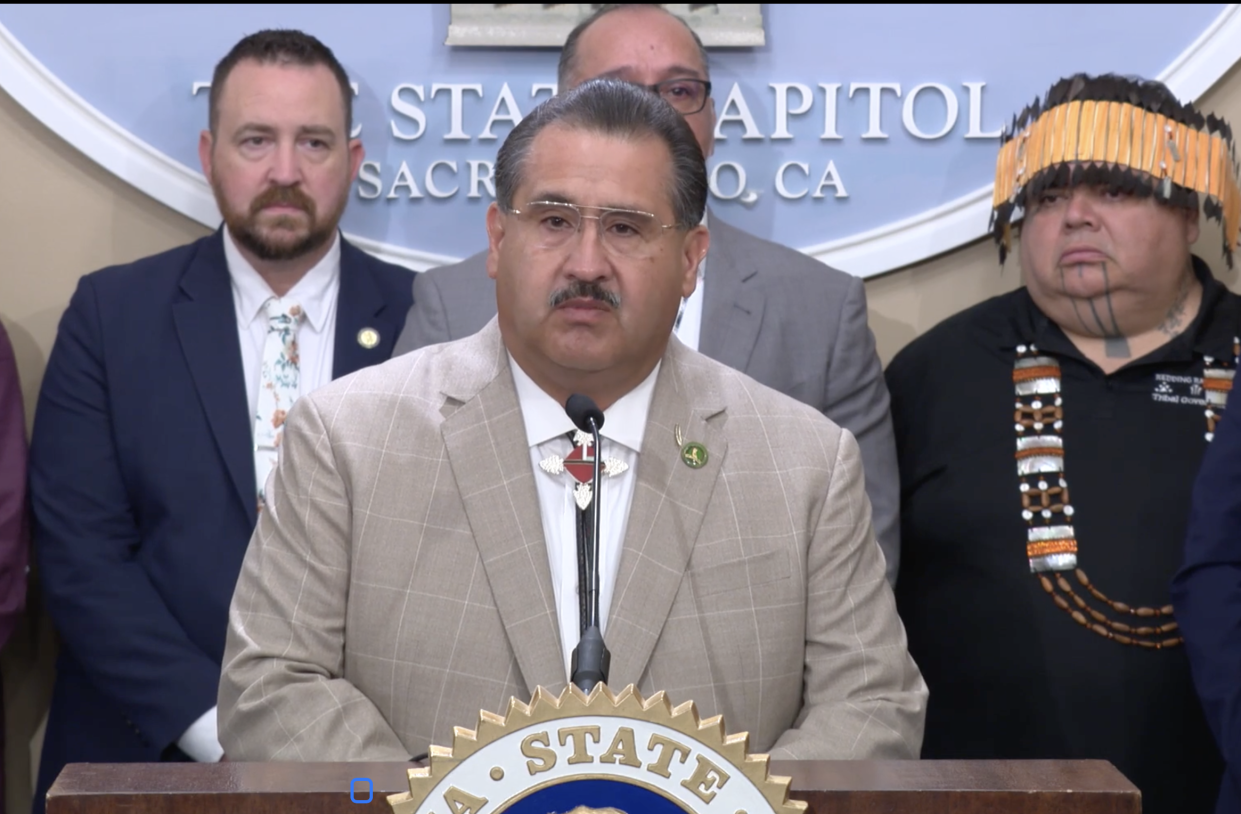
{"x":160,"y":413}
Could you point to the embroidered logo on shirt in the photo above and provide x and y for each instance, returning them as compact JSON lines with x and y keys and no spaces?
{"x":1175,"y":389}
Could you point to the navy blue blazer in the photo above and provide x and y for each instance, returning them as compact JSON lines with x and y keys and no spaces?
{"x":1207,"y":595}
{"x":142,"y":484}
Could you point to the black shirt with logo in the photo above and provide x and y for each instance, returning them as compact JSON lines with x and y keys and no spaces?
{"x":1012,"y":675}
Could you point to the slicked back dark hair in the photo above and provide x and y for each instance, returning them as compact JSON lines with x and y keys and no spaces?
{"x":568,"y":53}
{"x":618,"y":109}
{"x":280,"y":47}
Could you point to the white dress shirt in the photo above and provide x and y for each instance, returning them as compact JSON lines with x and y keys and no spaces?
{"x":317,"y":293}
{"x":547,"y":427}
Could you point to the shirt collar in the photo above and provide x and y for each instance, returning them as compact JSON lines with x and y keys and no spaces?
{"x":1207,"y":335}
{"x":624,"y":422}
{"x":1214,"y":337}
{"x":315,"y":292}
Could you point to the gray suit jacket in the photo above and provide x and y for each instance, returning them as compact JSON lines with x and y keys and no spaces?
{"x":773,"y":313}
{"x":400,"y":580}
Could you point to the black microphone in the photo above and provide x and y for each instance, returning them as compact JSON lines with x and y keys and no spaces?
{"x":582,"y":410}
{"x":591,"y":658}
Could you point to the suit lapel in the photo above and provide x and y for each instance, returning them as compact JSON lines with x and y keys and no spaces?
{"x":497,"y":487}
{"x":732,"y":308}
{"x":668,"y":506}
{"x":206,"y":322}
{"x":360,"y":306}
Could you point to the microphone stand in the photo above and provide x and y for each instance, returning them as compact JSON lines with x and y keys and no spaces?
{"x":591,"y":659}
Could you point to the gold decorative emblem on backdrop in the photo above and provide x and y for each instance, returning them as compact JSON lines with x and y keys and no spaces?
{"x":639,"y":755}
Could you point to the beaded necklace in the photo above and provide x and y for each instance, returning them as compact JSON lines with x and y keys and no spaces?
{"x":1051,"y":543}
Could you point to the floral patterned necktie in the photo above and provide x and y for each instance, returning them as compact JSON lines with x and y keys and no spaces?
{"x":278,"y":387}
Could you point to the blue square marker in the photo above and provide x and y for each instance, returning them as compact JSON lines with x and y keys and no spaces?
{"x":370,"y":789}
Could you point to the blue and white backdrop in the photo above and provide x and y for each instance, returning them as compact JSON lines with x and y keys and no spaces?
{"x":864,"y":135}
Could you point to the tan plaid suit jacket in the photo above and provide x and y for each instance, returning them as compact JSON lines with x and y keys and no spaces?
{"x":399,"y":581}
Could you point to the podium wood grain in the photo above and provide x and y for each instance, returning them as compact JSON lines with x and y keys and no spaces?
{"x":830,"y":787}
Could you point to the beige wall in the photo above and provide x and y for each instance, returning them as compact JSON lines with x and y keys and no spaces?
{"x":62,"y":216}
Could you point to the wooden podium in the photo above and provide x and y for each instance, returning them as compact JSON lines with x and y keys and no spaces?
{"x":830,"y":787}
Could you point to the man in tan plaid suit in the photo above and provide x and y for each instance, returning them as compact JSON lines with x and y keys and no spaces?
{"x":406,"y":573}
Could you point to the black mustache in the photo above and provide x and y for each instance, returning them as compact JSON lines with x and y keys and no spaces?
{"x":581,"y":289}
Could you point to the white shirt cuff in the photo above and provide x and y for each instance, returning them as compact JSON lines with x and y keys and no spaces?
{"x":202,"y":741}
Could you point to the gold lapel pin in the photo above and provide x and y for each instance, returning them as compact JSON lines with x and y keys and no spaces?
{"x":368,"y":338}
{"x":693,"y":454}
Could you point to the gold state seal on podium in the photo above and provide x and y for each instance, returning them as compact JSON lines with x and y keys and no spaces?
{"x":577,"y":753}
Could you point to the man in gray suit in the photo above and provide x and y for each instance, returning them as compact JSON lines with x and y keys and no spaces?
{"x":419,"y":559}
{"x":775,"y":314}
